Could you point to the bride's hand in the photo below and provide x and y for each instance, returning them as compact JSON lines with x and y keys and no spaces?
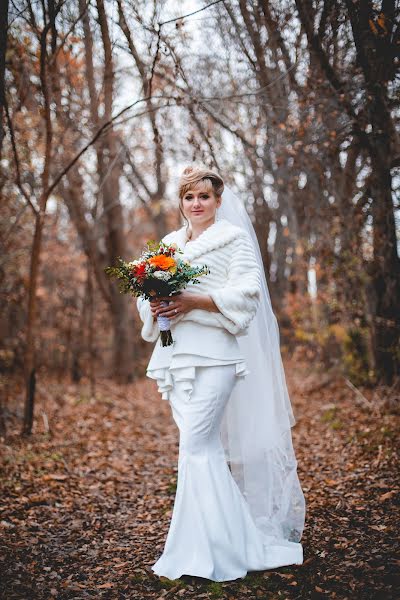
{"x":178,"y":304}
{"x":155,"y":304}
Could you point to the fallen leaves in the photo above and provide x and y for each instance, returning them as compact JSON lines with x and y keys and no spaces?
{"x":85,"y":511}
{"x":388,"y":495}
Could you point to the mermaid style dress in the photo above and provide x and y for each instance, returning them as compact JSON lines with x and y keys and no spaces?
{"x":212,"y":533}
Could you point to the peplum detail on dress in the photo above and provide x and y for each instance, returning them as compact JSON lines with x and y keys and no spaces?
{"x":186,"y":373}
{"x":195,"y":345}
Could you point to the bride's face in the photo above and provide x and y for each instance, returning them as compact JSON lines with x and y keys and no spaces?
{"x":199,"y":205}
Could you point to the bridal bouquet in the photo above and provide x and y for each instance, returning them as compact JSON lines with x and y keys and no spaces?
{"x":159,"y":271}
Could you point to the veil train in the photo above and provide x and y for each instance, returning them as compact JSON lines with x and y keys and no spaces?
{"x":256,"y":427}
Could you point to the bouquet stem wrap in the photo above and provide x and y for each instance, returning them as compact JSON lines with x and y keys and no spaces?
{"x":164,"y":325}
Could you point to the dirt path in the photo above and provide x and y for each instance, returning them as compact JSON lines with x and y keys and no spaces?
{"x":85,"y":508}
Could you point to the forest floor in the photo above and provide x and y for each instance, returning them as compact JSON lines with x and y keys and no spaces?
{"x":87,"y":499}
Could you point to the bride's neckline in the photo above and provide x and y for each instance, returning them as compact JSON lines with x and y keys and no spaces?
{"x":188,"y":241}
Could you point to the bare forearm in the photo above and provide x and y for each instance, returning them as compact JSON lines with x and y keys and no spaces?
{"x":205,"y":302}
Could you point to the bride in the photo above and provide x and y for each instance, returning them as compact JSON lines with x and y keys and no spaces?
{"x":239,"y":505}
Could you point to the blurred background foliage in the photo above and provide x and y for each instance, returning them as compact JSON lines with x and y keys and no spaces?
{"x":104,"y":102}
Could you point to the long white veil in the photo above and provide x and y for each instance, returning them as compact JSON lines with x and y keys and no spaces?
{"x":256,"y":427}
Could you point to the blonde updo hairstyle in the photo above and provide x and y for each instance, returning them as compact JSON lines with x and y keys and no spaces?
{"x":194,"y":177}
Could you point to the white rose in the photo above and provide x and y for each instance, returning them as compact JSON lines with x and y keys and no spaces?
{"x":163,"y":275}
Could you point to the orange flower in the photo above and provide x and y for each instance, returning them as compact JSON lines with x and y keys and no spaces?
{"x":162,"y":262}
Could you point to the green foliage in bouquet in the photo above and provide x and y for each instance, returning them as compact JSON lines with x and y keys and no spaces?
{"x":158,"y":272}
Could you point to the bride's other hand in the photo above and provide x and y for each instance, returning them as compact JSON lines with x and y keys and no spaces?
{"x":184,"y":301}
{"x":178,"y":304}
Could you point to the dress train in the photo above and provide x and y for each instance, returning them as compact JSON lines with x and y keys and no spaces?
{"x":212,"y":533}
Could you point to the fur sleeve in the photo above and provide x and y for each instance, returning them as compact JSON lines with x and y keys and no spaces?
{"x":239,"y":298}
{"x":150,"y":330}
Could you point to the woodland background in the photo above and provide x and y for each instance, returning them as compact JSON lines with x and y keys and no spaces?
{"x":102,"y":105}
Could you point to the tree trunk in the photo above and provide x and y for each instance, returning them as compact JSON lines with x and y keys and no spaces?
{"x":110,"y":190}
{"x":375,"y":56}
{"x":30,"y":352}
{"x":91,"y":333}
{"x":30,"y":357}
{"x":3,"y":46}
{"x":385,"y":271}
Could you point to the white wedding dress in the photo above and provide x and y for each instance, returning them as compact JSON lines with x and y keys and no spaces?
{"x":212,"y":532}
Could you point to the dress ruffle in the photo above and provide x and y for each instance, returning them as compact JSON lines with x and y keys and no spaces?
{"x":186,"y":373}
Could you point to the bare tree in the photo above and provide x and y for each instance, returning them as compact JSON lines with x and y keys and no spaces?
{"x":3,"y":46}
{"x":375,"y":38}
{"x":48,"y":28}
